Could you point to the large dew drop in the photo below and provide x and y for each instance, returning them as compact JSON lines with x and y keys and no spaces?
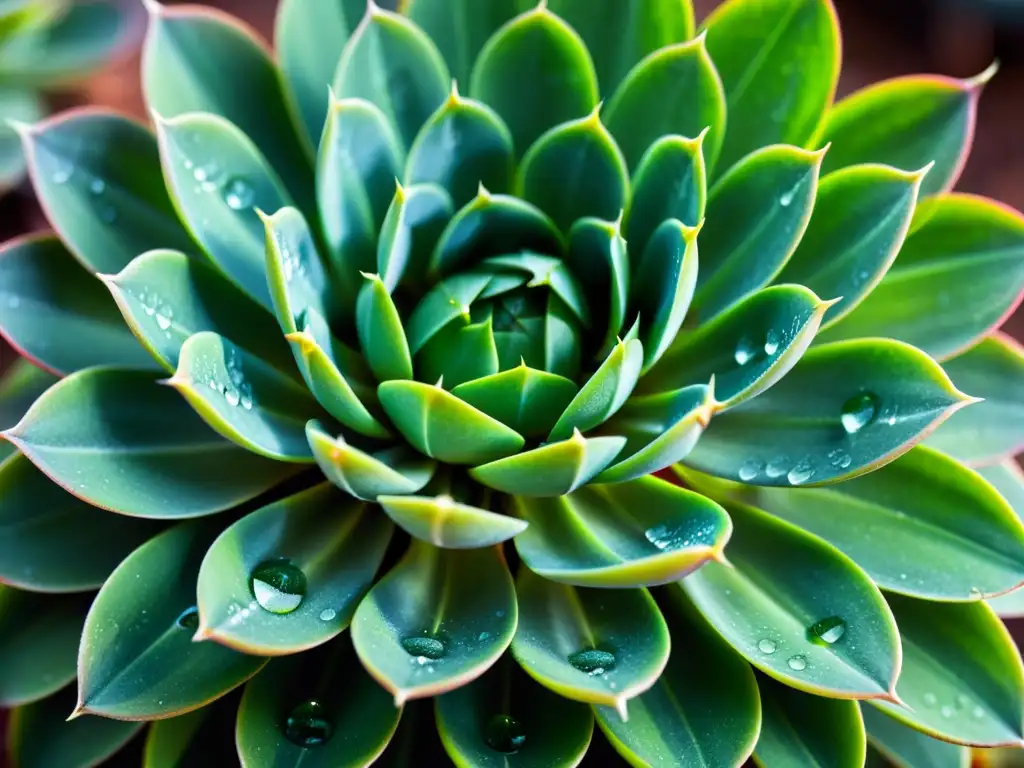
{"x":424,"y":646}
{"x":308,"y":726}
{"x":593,"y":661}
{"x":505,"y":734}
{"x":278,"y":586}
{"x":239,"y":194}
{"x":827,"y":631}
{"x":797,"y":663}
{"x":858,"y":412}
{"x":189,"y":619}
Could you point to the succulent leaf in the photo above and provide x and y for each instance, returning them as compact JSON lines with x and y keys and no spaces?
{"x":599,"y":258}
{"x":417,"y":216}
{"x":18,"y":104}
{"x":523,"y":398}
{"x":910,"y":748}
{"x":446,"y":522}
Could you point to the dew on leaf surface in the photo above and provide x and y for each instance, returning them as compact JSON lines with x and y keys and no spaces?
{"x":426,"y":646}
{"x":745,"y":351}
{"x":593,"y":661}
{"x":826,"y":631}
{"x":930,"y":700}
{"x":797,"y":663}
{"x":239,"y":194}
{"x":308,"y":725}
{"x":858,"y":412}
{"x":771,"y":344}
{"x":801,"y":473}
{"x":328,"y":614}
{"x":278,"y":586}
{"x":749,"y":470}
{"x":97,"y":186}
{"x":766,"y":646}
{"x":505,"y":734}
{"x":777,"y":467}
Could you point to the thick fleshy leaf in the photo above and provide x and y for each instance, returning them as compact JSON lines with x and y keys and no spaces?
{"x":412,"y":227}
{"x":381,"y":334}
{"x":523,"y":398}
{"x":38,"y":643}
{"x":20,"y":385}
{"x":799,"y":610}
{"x":757,"y":214}
{"x":1008,"y":478}
{"x":444,"y":427}
{"x":640,"y":533}
{"x":593,"y":645}
{"x":137,"y":660}
{"x":675,"y":90}
{"x":203,"y":738}
{"x":318,"y":710}
{"x":861,"y":405}
{"x":23,"y":105}
{"x":309,"y":36}
{"x":39,"y":737}
{"x":957,"y":277}
{"x":861,"y":216}
{"x":505,"y":720}
{"x":437,"y":621}
{"x":909,"y":748}
{"x":923,"y":526}
{"x":98,"y":176}
{"x":45,"y":291}
{"x":779,"y":64}
{"x":120,"y":441}
{"x":704,"y":709}
{"x":184,"y":45}
{"x":244,"y":399}
{"x":599,"y":259}
{"x":538,"y":48}
{"x":51,"y":541}
{"x":747,"y":349}
{"x":967,"y":693}
{"x":907,"y":122}
{"x":392,"y":471}
{"x":460,"y":353}
{"x":575,"y":170}
{"x":166,"y":297}
{"x":391,"y":63}
{"x":800,"y":729}
{"x":335,"y":542}
{"x":359,"y":159}
{"x":464,"y":144}
{"x":218,"y":178}
{"x":549,"y":271}
{"x":993,"y":429}
{"x":447,"y":522}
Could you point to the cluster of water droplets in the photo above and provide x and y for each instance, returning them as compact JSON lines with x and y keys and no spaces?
{"x":237,"y":192}
{"x":668,"y":538}
{"x":747,"y":349}
{"x":97,"y":188}
{"x":156,"y":307}
{"x":593,"y":661}
{"x":308,"y":725}
{"x":959,"y":704}
{"x":239,"y":391}
{"x":825,"y":632}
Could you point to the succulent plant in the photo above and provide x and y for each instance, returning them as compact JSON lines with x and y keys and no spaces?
{"x":417,"y":312}
{"x":47,"y":45}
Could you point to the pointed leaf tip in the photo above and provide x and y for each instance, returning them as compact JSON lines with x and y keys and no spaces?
{"x":979,"y":81}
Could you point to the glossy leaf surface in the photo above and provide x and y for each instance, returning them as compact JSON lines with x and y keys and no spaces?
{"x":414,"y":222}
{"x":381,"y":335}
{"x":523,"y":398}
{"x":908,"y":748}
{"x":20,"y":385}
{"x":445,"y":522}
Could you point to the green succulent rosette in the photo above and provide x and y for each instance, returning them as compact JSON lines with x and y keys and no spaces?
{"x":584,"y":366}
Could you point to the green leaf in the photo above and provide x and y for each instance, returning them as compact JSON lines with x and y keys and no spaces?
{"x":522,"y":398}
{"x":22,"y":105}
{"x":364,"y":475}
{"x":907,"y":122}
{"x":1008,"y":479}
{"x":538,"y":48}
{"x":861,"y":216}
{"x":203,"y":738}
{"x":244,"y":399}
{"x":905,"y":525}
{"x":670,"y":182}
{"x":799,"y":610}
{"x":505,"y":720}
{"x":747,"y":349}
{"x":38,"y":643}
{"x":391,"y":63}
{"x":675,"y":90}
{"x":39,"y":737}
{"x":599,"y":259}
{"x":45,"y":291}
{"x":993,"y":429}
{"x":604,"y":393}
{"x":464,"y":144}
{"x":360,"y":157}
{"x":447,"y":522}
{"x":119,"y":441}
{"x":779,"y":64}
{"x":357,"y":715}
{"x":704,"y":709}
{"x":154,"y":670}
{"x":166,"y":297}
{"x":381,"y":334}
{"x":757,"y":214}
{"x":958,"y":276}
{"x":51,"y":541}
{"x":218,"y":178}
{"x":336,"y":543}
{"x":411,"y":229}
{"x":593,"y":645}
{"x":461,"y":352}
{"x":908,"y":748}
{"x":98,"y":176}
{"x":554,"y":469}
{"x":549,"y":271}
{"x":20,"y":385}
{"x":591,"y":174}
{"x":440,"y":425}
{"x":640,"y":533}
{"x":185,"y":45}
{"x":309,"y":36}
{"x":861,"y":405}
{"x":962,"y":673}
{"x":437,"y":621}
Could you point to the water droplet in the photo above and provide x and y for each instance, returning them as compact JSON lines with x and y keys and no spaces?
{"x":108,"y":214}
{"x":163,"y":321}
{"x":668,"y":538}
{"x":239,"y":194}
{"x":749,"y":470}
{"x":246,"y":397}
{"x":278,"y":586}
{"x":840,"y":458}
{"x":786,"y":198}
{"x":483,"y":636}
{"x":206,"y":172}
{"x":977,"y":713}
{"x":63,"y":173}
{"x":426,"y":646}
{"x":946,"y":711}
{"x":858,"y":412}
{"x":962,"y":701}
{"x":930,"y":700}
{"x":505,"y":734}
{"x":801,"y":473}
{"x":745,"y":351}
{"x":328,"y":614}
{"x":308,"y":726}
{"x":826,"y":631}
{"x":767,"y":646}
{"x":98,"y":186}
{"x":593,"y":661}
{"x":189,"y":619}
{"x":771,"y":344}
{"x":797,"y":663}
{"x":232,"y":397}
{"x":777,"y":467}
